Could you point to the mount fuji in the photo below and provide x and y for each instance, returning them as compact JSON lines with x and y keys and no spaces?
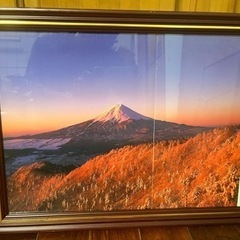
{"x":119,"y":113}
{"x":114,"y":128}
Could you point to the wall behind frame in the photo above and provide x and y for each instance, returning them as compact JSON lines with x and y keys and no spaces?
{"x":230,"y":6}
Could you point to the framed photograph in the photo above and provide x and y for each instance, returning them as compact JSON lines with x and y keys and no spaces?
{"x":114,"y":119}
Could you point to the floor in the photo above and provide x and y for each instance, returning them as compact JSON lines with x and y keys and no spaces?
{"x":214,"y":232}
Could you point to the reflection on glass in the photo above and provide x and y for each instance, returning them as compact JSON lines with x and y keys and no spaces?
{"x":104,"y":122}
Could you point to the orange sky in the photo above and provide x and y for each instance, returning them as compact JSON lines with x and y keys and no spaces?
{"x":199,"y":85}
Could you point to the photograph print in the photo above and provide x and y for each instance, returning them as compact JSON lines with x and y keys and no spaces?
{"x":112,"y":122}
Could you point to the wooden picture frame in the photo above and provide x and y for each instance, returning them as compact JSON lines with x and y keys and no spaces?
{"x":129,"y":23}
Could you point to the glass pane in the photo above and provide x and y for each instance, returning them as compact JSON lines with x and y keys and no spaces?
{"x":105,"y":122}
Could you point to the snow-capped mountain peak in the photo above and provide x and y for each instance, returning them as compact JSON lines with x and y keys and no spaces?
{"x":119,"y":113}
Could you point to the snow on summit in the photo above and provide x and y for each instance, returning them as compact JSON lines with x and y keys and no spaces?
{"x":119,"y":113}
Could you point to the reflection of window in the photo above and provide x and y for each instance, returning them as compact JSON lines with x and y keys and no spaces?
{"x":220,"y":87}
{"x":60,"y":57}
{"x":15,"y":49}
{"x":221,"y":77}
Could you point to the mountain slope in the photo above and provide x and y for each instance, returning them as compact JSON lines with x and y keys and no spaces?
{"x":74,"y":145}
{"x":202,"y":171}
{"x":115,"y":128}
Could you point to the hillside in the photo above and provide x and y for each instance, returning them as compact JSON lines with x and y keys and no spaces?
{"x":117,"y":127}
{"x":200,"y":172}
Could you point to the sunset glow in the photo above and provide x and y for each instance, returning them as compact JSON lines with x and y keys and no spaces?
{"x":69,"y":83}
